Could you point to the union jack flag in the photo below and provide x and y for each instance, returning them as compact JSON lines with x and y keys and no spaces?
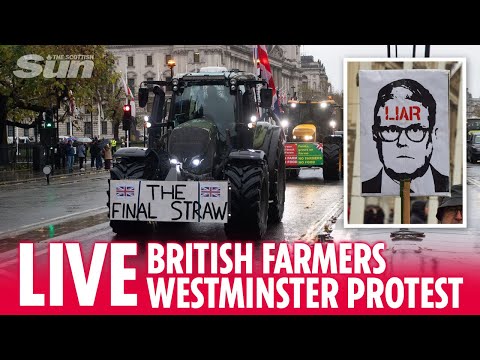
{"x":320,"y":146}
{"x":210,"y":191}
{"x":125,"y":191}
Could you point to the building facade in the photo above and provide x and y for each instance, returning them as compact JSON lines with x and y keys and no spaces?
{"x":473,"y":106}
{"x":294,"y":75}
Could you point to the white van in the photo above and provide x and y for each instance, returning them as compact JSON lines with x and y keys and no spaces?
{"x":21,"y":140}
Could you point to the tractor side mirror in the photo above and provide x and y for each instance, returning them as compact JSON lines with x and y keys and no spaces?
{"x":142,"y":97}
{"x":156,"y":116}
{"x":266,"y":98}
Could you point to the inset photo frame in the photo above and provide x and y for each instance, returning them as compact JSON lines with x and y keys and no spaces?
{"x":405,"y":149}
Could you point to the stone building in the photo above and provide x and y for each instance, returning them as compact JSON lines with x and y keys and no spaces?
{"x":473,"y":106}
{"x":314,"y":82}
{"x":294,"y":75}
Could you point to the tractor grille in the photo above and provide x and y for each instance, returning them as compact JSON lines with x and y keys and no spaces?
{"x":187,"y":142}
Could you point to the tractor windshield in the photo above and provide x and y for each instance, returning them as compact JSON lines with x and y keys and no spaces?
{"x":209,"y":102}
{"x":306,"y":113}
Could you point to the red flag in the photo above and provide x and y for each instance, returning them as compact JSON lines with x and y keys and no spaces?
{"x":265,"y":69}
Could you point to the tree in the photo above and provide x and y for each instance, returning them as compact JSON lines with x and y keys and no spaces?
{"x":21,"y":99}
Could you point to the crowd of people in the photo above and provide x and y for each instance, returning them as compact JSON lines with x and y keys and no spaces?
{"x":100,"y":152}
{"x":449,"y":210}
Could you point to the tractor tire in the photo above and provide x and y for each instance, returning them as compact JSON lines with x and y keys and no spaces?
{"x":277,"y":187}
{"x":129,"y":170}
{"x":332,"y":159}
{"x":248,"y":201}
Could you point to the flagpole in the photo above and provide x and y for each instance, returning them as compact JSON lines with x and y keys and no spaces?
{"x":127,"y":102}
{"x":126,"y":82}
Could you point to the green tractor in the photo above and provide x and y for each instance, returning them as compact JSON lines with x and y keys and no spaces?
{"x":208,"y":131}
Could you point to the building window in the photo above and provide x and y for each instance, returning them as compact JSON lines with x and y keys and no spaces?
{"x":26,"y":132}
{"x":196,"y":57}
{"x":131,"y":85}
{"x":130,"y":61}
{"x":69,"y":126}
{"x":10,"y":130}
{"x":167,"y":57}
{"x":88,"y":128}
{"x":104,"y":128}
{"x":150,"y":85}
{"x":149,"y":60}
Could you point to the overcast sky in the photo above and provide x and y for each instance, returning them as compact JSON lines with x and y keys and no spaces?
{"x":332,"y":57}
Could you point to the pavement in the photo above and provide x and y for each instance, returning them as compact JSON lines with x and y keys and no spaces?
{"x":10,"y":177}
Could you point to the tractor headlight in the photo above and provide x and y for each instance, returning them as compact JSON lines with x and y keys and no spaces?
{"x":284,"y":123}
{"x":174,"y":161}
{"x":196,"y":162}
{"x":308,"y":137}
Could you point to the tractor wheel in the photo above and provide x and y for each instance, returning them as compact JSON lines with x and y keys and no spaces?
{"x":277,"y":187}
{"x":249,"y":200}
{"x":332,"y":164}
{"x":128,"y":170}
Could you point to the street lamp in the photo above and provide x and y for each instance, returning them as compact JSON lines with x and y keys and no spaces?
{"x":146,"y":125}
{"x":171,"y":64}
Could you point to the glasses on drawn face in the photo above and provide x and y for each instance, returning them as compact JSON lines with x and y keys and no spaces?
{"x":453,"y":210}
{"x":415,"y":132}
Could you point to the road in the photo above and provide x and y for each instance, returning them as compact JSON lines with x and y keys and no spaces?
{"x":75,"y":210}
{"x":30,"y":204}
{"x":310,"y":203}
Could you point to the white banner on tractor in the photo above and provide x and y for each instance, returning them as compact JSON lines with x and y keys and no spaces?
{"x":169,"y":201}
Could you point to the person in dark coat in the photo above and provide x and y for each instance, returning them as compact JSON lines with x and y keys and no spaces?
{"x":450,"y":208}
{"x":419,"y":212}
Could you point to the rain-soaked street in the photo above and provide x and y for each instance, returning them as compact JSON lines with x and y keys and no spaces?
{"x":76,"y":211}
{"x":310,"y":204}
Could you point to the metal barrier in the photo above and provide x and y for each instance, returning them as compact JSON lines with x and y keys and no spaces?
{"x":22,"y":156}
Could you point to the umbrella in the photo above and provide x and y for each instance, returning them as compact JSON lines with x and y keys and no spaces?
{"x":103,"y":142}
{"x":84,"y":140}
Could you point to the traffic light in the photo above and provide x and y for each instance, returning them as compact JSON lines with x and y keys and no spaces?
{"x":127,"y":117}
{"x":49,"y":119}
